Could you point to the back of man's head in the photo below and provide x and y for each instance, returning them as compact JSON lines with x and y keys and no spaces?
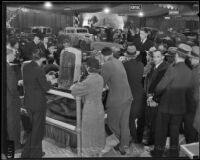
{"x":107,"y":51}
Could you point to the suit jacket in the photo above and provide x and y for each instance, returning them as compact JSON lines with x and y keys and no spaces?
{"x":143,"y":47}
{"x":28,"y":49}
{"x":134,"y":70}
{"x":174,"y":88}
{"x":35,"y":86}
{"x":13,"y":107}
{"x":115,"y":77}
{"x":13,"y":100}
{"x":43,"y":49}
{"x":156,"y":75}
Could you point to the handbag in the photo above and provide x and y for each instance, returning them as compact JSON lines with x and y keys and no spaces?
{"x":26,"y":122}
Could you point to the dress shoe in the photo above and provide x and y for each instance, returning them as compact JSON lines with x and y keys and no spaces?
{"x":117,"y":149}
{"x":43,"y":154}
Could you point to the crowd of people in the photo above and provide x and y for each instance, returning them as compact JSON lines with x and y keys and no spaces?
{"x":153,"y":94}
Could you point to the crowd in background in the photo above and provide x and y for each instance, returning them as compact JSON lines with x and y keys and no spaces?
{"x":153,"y":88}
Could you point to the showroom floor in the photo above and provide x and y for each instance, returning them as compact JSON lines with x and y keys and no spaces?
{"x":53,"y":150}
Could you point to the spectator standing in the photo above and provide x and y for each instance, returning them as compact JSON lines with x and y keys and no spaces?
{"x":13,"y":104}
{"x":134,"y":70}
{"x":93,"y":127}
{"x":35,"y":87}
{"x":119,"y":99}
{"x":191,"y":135}
{"x":173,"y":90}
{"x":31,"y":46}
{"x":156,"y":74}
{"x":143,"y":44}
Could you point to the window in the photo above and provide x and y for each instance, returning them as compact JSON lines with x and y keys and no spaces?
{"x":82,"y":31}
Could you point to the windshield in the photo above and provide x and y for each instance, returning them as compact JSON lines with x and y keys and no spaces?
{"x":36,"y":30}
{"x":46,"y":30}
{"x":82,"y":31}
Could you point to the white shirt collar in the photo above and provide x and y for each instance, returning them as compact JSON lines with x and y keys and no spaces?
{"x":144,"y":40}
{"x":158,"y":65}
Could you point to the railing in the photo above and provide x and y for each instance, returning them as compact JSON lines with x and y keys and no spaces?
{"x":66,"y":126}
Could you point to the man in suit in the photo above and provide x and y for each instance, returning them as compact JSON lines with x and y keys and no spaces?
{"x":35,"y":87}
{"x":155,"y":75}
{"x":173,"y":90}
{"x":134,"y":70}
{"x":191,"y":135}
{"x":119,"y":99}
{"x":143,"y":44}
{"x":13,"y":104}
{"x":31,"y":46}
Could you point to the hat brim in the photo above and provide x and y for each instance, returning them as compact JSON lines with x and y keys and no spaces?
{"x":180,"y":51}
{"x":133,"y":55}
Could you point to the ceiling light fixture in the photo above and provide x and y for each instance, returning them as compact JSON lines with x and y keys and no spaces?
{"x":140,"y":14}
{"x":106,"y":10}
{"x":48,"y":5}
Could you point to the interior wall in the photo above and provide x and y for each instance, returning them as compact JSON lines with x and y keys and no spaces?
{"x":41,"y":18}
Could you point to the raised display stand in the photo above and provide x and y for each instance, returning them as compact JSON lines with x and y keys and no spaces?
{"x":191,"y":150}
{"x":71,"y":128}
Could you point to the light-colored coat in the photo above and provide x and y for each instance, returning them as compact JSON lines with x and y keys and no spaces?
{"x":119,"y":99}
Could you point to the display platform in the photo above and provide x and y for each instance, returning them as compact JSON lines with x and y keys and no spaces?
{"x":191,"y":150}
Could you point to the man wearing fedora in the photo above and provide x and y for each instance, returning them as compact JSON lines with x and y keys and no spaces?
{"x":134,"y":70}
{"x":191,"y":134}
{"x":173,"y":91}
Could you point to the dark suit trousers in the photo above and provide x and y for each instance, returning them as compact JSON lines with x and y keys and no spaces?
{"x":150,"y":118}
{"x":33,"y":146}
{"x":163,"y":121}
{"x":191,"y":135}
{"x":136,"y":131}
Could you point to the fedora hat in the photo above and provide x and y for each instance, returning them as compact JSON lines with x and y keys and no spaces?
{"x":132,"y":51}
{"x":182,"y":49}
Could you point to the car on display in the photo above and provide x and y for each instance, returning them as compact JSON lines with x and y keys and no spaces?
{"x":78,"y":35}
{"x":192,"y":36}
{"x":29,"y":32}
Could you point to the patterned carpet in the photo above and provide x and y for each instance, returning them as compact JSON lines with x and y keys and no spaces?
{"x":54,"y":150}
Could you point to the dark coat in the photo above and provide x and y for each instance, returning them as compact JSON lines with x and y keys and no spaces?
{"x":156,"y":75}
{"x":35,"y":86}
{"x":13,"y":107}
{"x":134,"y":71}
{"x":143,"y":47}
{"x":174,"y":88}
{"x":28,"y":49}
{"x":44,"y":49}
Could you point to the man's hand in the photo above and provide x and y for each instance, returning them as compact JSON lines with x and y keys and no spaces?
{"x":23,"y":110}
{"x":20,"y":83}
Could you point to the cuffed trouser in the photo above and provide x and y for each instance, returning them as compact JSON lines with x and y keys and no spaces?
{"x":164,"y":120}
{"x":118,"y":122}
{"x":191,"y":135}
{"x":33,"y":146}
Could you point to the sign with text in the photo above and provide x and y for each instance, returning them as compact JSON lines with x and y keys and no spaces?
{"x":133,"y":7}
{"x":173,"y":12}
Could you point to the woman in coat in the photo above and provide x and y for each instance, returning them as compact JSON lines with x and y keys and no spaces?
{"x":93,"y":129}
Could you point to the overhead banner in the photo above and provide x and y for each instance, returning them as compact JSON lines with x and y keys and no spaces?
{"x":135,"y":7}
